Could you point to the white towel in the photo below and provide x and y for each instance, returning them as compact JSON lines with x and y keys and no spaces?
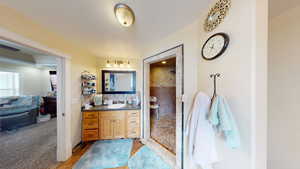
{"x":202,"y":148}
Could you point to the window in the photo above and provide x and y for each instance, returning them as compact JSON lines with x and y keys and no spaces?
{"x":53,"y":80}
{"x":9,"y":84}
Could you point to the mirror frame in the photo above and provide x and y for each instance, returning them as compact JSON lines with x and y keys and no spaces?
{"x":118,"y":92}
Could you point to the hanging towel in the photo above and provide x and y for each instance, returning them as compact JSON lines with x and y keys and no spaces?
{"x":201,"y":139}
{"x":222,"y":119}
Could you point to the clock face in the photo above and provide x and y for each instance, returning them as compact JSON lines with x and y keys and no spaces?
{"x":215,"y":46}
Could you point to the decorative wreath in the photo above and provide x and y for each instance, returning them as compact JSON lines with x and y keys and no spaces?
{"x":216,"y":14}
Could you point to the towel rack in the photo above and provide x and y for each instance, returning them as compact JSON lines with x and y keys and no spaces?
{"x":215,"y":82}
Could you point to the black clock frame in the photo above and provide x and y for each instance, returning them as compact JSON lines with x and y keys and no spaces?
{"x":226,"y":43}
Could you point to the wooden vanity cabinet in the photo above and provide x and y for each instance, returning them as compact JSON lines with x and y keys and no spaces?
{"x":104,"y":125}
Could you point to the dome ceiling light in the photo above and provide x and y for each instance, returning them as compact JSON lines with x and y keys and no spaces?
{"x":124,"y":14}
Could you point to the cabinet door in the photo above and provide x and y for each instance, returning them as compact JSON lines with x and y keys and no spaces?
{"x":112,"y":125}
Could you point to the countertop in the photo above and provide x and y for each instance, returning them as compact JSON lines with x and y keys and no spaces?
{"x":106,"y":108}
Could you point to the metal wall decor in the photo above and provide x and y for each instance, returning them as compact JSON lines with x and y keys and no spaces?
{"x":216,"y":14}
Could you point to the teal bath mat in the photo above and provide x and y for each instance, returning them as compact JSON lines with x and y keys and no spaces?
{"x":147,"y":159}
{"x":106,"y":154}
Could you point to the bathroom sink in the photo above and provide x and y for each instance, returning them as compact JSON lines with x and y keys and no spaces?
{"x":116,"y":106}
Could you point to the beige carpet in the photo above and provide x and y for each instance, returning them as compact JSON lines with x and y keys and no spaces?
{"x":31,"y":147}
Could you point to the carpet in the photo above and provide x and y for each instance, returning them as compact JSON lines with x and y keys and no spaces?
{"x":106,"y":154}
{"x":31,"y":147}
{"x":145,"y":158}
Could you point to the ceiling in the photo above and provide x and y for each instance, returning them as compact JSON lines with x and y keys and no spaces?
{"x":276,"y":7}
{"x":167,"y":63}
{"x":92,"y":24}
{"x":32,"y":55}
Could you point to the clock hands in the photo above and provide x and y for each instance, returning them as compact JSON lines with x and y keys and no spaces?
{"x":212,"y":47}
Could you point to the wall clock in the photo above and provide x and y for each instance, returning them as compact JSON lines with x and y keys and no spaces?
{"x":215,"y":46}
{"x":216,"y":14}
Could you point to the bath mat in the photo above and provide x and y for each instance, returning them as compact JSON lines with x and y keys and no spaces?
{"x":145,"y":158}
{"x":106,"y":154}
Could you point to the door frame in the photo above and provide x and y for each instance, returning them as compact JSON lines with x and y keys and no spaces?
{"x":175,"y":161}
{"x":64,"y":142}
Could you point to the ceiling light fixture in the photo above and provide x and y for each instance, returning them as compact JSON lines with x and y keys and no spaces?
{"x":164,"y":62}
{"x":124,"y":14}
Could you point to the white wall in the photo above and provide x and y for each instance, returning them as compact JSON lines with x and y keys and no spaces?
{"x":33,"y":80}
{"x":79,"y":64}
{"x":238,"y":82}
{"x":284,"y":90}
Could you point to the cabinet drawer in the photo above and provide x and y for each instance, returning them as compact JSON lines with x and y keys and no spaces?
{"x":134,"y":129}
{"x":90,"y":124}
{"x":133,"y":133}
{"x":133,"y":124}
{"x":90,"y":115}
{"x":133,"y":114}
{"x":133,"y":120}
{"x":89,"y":135}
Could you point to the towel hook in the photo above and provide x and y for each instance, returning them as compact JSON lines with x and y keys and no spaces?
{"x":215,"y":82}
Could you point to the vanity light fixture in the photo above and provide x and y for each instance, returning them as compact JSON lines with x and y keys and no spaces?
{"x":128,"y":64}
{"x":108,"y":64}
{"x":118,"y":63}
{"x":124,"y":14}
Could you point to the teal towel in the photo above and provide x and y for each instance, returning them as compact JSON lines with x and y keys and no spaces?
{"x":222,"y":118}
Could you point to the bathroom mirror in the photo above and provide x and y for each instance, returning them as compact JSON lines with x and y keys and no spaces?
{"x":118,"y":82}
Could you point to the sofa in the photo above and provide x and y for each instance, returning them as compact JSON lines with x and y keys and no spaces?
{"x":16,"y":112}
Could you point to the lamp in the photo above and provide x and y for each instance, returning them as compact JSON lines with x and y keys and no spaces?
{"x":124,"y":14}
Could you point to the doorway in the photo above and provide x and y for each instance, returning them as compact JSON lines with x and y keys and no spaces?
{"x":63,"y":68}
{"x":28,"y":125}
{"x":162,"y":105}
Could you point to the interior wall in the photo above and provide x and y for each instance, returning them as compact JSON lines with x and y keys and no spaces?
{"x":283,"y":91}
{"x":238,"y":81}
{"x":33,"y":81}
{"x":163,"y":86}
{"x":78,"y":65}
{"x":80,"y":59}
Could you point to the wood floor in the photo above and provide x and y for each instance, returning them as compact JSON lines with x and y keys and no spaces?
{"x":76,"y":155}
